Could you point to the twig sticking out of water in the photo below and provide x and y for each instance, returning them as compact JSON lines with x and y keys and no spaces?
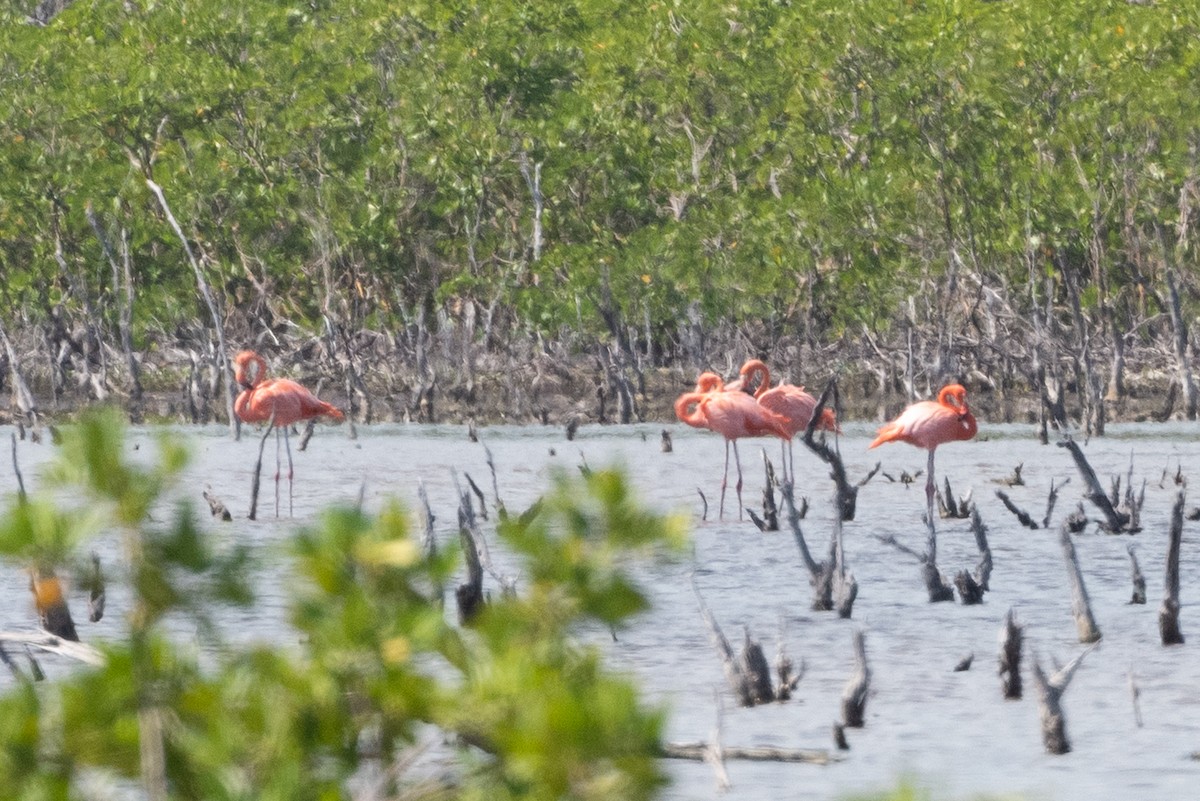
{"x":1139,"y":581}
{"x":666,"y":444}
{"x":1050,"y":691}
{"x":1021,"y":515}
{"x":854,"y":696}
{"x":1168,"y":613}
{"x":495,"y":486}
{"x":704,"y":504}
{"x":1011,"y":639}
{"x":478,"y":494}
{"x":1051,"y":499}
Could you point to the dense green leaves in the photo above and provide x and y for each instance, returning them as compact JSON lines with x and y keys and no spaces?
{"x":814,"y":162}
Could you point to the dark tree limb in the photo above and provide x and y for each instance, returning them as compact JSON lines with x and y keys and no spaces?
{"x":951,"y":508}
{"x":1114,"y":521}
{"x":935,"y":584}
{"x":1020,"y":513}
{"x":847,"y":494}
{"x":256,"y":481}
{"x":1168,"y":613}
{"x":820,"y":574}
{"x":1051,"y":499}
{"x":971,"y":587}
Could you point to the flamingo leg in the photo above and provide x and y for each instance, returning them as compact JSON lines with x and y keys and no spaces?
{"x":288,"y":444}
{"x":930,"y":486}
{"x":738,"y":461}
{"x":277,"y":465}
{"x":724,"y":482}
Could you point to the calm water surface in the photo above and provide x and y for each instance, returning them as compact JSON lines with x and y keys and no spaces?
{"x":952,"y":732}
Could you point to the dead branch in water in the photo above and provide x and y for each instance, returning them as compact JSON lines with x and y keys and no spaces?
{"x":1021,"y":515}
{"x":1168,"y":613}
{"x":820,"y":574}
{"x":1114,"y":521}
{"x":971,"y":587}
{"x":49,"y":643}
{"x":1081,"y":607}
{"x":748,"y":674}
{"x":696,"y":752}
{"x":1051,"y":499}
{"x":665,"y":443}
{"x":847,"y":494}
{"x":1139,"y":581}
{"x":1011,"y":640}
{"x":854,"y":696}
{"x":949,"y":507}
{"x":935,"y":584}
{"x":1050,"y":691}
{"x":215,"y":506}
{"x":17,"y":469}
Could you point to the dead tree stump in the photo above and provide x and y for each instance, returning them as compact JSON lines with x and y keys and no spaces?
{"x":1050,"y":691}
{"x":1011,"y":638}
{"x":1168,"y":613}
{"x":854,"y":696}
{"x":1081,"y":607}
{"x":1139,"y":581}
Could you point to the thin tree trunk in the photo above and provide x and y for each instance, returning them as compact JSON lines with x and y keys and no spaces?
{"x":210,"y":301}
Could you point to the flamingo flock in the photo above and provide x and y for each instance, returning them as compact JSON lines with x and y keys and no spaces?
{"x":785,"y":410}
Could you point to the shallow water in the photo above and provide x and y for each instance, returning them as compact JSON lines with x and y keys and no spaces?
{"x":952,"y":732}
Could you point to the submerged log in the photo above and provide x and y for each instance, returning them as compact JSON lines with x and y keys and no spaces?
{"x":696,"y":752}
{"x":1011,"y":640}
{"x":1168,"y":613}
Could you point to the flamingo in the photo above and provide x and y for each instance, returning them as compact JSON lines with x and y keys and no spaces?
{"x":788,"y":400}
{"x":928,"y":424}
{"x":733,"y":415}
{"x":289,"y":402}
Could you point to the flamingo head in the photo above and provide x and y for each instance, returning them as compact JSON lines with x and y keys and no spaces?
{"x":955,"y":396}
{"x":249,"y":369}
{"x":709,"y":382}
{"x":752,"y":368}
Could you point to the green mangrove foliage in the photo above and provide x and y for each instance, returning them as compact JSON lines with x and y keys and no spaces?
{"x":376,"y":674}
{"x":588,"y":164}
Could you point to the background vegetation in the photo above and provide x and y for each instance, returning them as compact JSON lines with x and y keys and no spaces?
{"x":1003,"y":192}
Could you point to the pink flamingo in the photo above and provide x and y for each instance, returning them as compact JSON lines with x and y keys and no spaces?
{"x":788,"y":400}
{"x":928,"y":424}
{"x":733,"y":415}
{"x":289,"y":402}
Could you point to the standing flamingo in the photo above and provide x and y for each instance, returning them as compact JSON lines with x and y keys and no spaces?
{"x":928,"y":424}
{"x":733,"y":415}
{"x":788,"y":400}
{"x":289,"y":402}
